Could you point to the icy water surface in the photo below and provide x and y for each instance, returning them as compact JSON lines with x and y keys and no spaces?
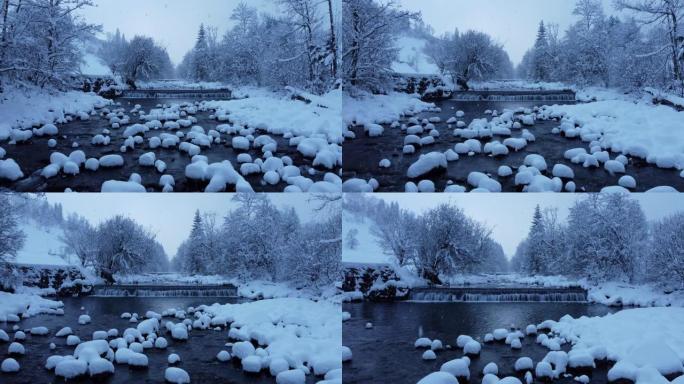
{"x":386,"y":353}
{"x":198,"y":353}
{"x":33,"y":156}
{"x":363,"y":154}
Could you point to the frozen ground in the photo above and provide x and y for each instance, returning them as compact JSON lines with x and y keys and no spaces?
{"x":265,"y":141}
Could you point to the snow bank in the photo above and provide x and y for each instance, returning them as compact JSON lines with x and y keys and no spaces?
{"x":639,"y":340}
{"x":12,"y":305}
{"x":381,"y":109}
{"x":34,"y":107}
{"x":299,"y":330}
{"x":655,"y":133}
{"x":278,"y":114}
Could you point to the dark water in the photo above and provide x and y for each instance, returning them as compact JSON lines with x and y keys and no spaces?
{"x":33,"y":156}
{"x":198,"y":353}
{"x":386,"y":353}
{"x":362,"y":155}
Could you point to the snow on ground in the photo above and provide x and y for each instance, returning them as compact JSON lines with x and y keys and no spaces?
{"x":651,"y":132}
{"x":26,"y":305}
{"x":643,"y":341}
{"x":660,"y":95}
{"x":368,"y":250}
{"x":279,"y":114}
{"x":33,"y":107}
{"x":93,"y":65}
{"x":298,"y":330}
{"x":382,"y":109}
{"x":620,"y":294}
{"x":412,"y":59}
{"x":42,"y":246}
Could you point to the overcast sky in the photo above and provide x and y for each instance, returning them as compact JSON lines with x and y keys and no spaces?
{"x":172,"y":23}
{"x":169,"y":216}
{"x":512,"y":23}
{"x":510,"y":214}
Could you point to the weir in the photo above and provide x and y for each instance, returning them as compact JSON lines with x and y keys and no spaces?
{"x":177,"y":94}
{"x":508,"y":294}
{"x":226,"y":290}
{"x":514,"y":95}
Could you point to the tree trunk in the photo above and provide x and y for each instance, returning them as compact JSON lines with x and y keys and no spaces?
{"x":333,"y":39}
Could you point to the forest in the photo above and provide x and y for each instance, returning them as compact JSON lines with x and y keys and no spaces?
{"x":605,"y":237}
{"x":42,"y":44}
{"x":441,"y":241}
{"x":259,"y":241}
{"x":641,"y":46}
{"x":255,"y":241}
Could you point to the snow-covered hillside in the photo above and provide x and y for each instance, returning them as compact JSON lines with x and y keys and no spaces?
{"x":367,"y":249}
{"x":42,"y":245}
{"x":412,"y":58}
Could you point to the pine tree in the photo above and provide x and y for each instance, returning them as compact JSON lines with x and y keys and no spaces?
{"x":201,"y":56}
{"x":535,"y":246}
{"x":541,"y":65}
{"x":195,"y":251}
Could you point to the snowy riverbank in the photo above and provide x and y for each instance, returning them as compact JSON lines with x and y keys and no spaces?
{"x":26,"y":108}
{"x":382,"y":109}
{"x":13,"y":305}
{"x":289,"y":338}
{"x":615,"y":294}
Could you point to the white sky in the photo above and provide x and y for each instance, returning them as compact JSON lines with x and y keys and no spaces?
{"x":510,"y":214}
{"x":512,"y":23}
{"x":169,"y":216}
{"x":172,"y":23}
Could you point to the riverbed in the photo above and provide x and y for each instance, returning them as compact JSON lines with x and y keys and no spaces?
{"x":198,"y":353}
{"x":363,"y":154}
{"x":385,"y":353}
{"x":34,"y":155}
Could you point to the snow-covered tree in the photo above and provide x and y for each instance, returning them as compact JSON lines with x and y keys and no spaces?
{"x":606,"y":235}
{"x":196,"y":247}
{"x":395,"y":230}
{"x":536,"y":250}
{"x":145,"y":60}
{"x":666,"y":261}
{"x":470,"y":56}
{"x":351,"y":240}
{"x":450,"y":242}
{"x":369,"y":37}
{"x":541,"y":62}
{"x":12,"y":238}
{"x":201,"y":57}
{"x":123,"y":246}
{"x":39,"y":40}
{"x":668,"y":14}
{"x":77,"y":236}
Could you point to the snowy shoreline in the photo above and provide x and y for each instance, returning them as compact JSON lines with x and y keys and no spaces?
{"x":289,"y":337}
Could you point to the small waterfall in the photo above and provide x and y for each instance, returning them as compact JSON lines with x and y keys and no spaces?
{"x":510,"y":96}
{"x":502,"y":295}
{"x":162,"y":291}
{"x":174,"y":94}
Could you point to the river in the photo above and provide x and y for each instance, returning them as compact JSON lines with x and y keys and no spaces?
{"x":363,"y":154}
{"x":33,"y":156}
{"x":386,"y":353}
{"x":198,"y":353}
